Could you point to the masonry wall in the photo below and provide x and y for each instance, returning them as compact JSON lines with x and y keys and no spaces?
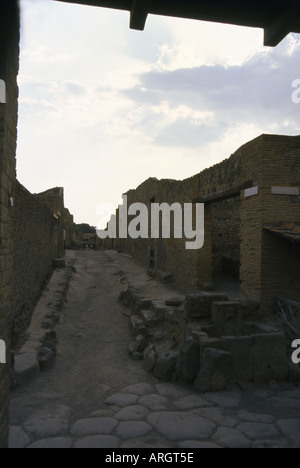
{"x":190,"y":268}
{"x":34,"y":238}
{"x":226,"y":237}
{"x":9,"y":64}
{"x":236,"y":241}
{"x":280,"y":258}
{"x":270,"y":266}
{"x":54,"y":200}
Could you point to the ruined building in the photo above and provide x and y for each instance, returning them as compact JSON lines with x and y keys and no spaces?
{"x":210,"y":338}
{"x":252,"y":222}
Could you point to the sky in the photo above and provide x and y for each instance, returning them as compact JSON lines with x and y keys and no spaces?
{"x":103,"y":108}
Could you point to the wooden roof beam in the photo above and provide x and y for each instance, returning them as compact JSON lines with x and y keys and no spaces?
{"x":279,"y":28}
{"x":138,"y":14}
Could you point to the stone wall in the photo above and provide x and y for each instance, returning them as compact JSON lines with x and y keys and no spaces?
{"x":9,"y":64}
{"x":226,"y":237}
{"x":239,"y":203}
{"x":270,"y":266}
{"x":41,"y":229}
{"x":34,"y":247}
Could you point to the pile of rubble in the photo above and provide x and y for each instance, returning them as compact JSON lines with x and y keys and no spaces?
{"x":207,"y":340}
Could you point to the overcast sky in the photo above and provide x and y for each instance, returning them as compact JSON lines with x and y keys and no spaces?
{"x":102,"y":107}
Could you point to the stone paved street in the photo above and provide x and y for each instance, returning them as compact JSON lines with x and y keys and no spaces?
{"x":95,"y":395}
{"x":168,"y":416}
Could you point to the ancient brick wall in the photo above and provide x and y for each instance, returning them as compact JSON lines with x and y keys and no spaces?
{"x":226,"y":237}
{"x":239,"y":202}
{"x":54,"y":200}
{"x":280,"y":258}
{"x":270,"y":266}
{"x":9,"y":64}
{"x":34,"y":238}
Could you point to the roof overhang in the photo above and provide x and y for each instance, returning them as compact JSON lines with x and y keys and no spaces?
{"x":288,"y":232}
{"x":278,"y":17}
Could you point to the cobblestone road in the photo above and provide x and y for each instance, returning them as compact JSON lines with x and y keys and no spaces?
{"x":101,"y":398}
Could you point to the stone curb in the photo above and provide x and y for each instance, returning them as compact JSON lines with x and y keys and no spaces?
{"x":39,"y":351}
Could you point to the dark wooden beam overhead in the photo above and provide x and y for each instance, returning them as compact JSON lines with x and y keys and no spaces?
{"x":278,"y":28}
{"x":139,"y":13}
{"x":276,"y":17}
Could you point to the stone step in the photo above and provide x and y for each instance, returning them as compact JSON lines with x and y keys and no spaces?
{"x":150,"y":318}
{"x":137,"y":326}
{"x":199,"y":305}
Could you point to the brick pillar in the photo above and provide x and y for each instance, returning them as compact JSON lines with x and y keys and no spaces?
{"x":251,"y":219}
{"x":9,"y":63}
{"x":270,"y":265}
{"x":280,"y":258}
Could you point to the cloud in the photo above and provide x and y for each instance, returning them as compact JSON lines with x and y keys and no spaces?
{"x":258,"y":92}
{"x":74,"y":87}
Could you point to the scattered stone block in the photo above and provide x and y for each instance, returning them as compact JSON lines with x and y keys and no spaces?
{"x":227,"y":318}
{"x":215,"y":371}
{"x":144,"y":304}
{"x":138,"y":346}
{"x":174,"y":302}
{"x":47,"y":355}
{"x":270,"y":357}
{"x":58,"y":263}
{"x":188,"y":361}
{"x":242,"y":349}
{"x":149,"y":318}
{"x":130,"y":297}
{"x":165,"y":365}
{"x":163,"y":277}
{"x":137,"y":327}
{"x":199,"y":305}
{"x":150,"y":358}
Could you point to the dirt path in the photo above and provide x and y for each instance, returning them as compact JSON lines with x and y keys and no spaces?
{"x":92,"y":351}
